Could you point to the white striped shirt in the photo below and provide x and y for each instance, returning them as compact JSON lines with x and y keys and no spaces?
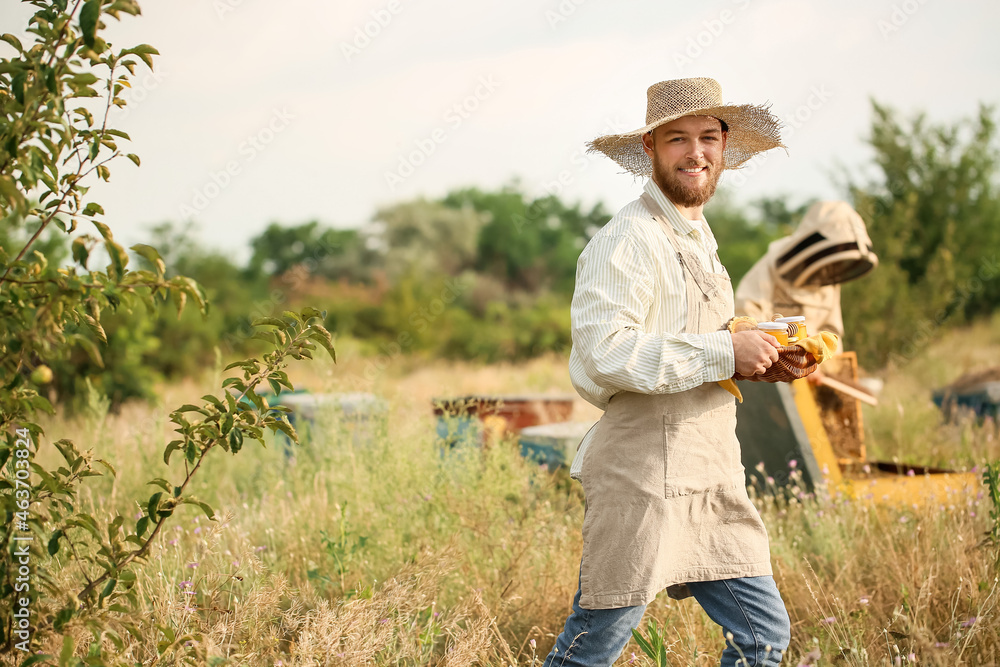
{"x":626,"y":335}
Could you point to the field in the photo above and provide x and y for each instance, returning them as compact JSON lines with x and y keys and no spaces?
{"x":375,"y":548}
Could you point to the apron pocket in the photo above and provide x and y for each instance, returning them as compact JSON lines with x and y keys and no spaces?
{"x":697,"y":455}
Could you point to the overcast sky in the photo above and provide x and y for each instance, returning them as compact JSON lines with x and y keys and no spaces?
{"x":264,"y":111}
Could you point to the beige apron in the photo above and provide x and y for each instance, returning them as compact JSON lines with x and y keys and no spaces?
{"x":666,"y":496}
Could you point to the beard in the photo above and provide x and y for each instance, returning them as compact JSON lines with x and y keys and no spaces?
{"x":685,"y":195}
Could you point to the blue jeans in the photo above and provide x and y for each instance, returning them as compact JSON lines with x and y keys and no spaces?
{"x":750,"y":608}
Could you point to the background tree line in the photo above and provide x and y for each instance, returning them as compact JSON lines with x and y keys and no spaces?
{"x":929,"y":198}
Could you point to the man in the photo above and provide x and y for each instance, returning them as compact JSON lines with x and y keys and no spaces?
{"x":801,"y":274}
{"x":667,"y":506}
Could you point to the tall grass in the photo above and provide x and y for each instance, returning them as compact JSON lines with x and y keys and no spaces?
{"x":379,"y":546}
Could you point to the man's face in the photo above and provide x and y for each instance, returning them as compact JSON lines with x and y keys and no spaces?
{"x":687,"y":158}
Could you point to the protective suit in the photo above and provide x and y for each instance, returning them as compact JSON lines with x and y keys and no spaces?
{"x":801,"y":274}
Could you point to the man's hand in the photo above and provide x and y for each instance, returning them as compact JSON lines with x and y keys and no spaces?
{"x":755,"y":351}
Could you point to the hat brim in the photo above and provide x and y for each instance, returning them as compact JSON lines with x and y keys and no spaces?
{"x":753,"y":129}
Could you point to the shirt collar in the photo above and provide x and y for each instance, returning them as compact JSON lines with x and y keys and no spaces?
{"x":680,"y":224}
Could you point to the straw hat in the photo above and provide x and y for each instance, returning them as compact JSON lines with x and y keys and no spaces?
{"x":752,"y":128}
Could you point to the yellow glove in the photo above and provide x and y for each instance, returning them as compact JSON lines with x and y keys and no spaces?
{"x":822,"y":346}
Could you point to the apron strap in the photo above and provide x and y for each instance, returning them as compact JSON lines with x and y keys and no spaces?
{"x":694,"y":267}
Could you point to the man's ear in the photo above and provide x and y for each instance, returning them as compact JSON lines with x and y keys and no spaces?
{"x":647,"y":143}
{"x":725,"y":137}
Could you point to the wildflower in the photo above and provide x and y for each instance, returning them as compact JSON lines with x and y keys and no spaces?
{"x":260,"y":548}
{"x":903,"y":519}
{"x":969,"y":623}
{"x":910,"y":473}
{"x":632,"y":659}
{"x":770,"y":480}
{"x":940,"y":644}
{"x":384,"y":620}
{"x":867,"y":469}
{"x":760,"y":467}
{"x":828,"y":620}
{"x":793,"y":464}
{"x":193,"y":565}
{"x":236,"y":563}
{"x":532,"y":645}
{"x":427,"y":497}
{"x":810,"y":658}
{"x":184,"y":584}
{"x":197,"y":530}
{"x":172,"y":542}
{"x":864,"y":599}
{"x":912,"y":657}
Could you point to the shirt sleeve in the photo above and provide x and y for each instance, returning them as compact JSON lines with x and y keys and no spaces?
{"x":614,"y":292}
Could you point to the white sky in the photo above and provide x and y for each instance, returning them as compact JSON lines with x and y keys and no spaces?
{"x":549,"y":74}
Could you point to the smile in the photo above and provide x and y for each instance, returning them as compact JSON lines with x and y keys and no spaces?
{"x":693,"y":170}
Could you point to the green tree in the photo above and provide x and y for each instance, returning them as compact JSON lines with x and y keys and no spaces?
{"x":933,"y":213}
{"x":424,"y":238}
{"x":529,"y":244}
{"x":331,"y":253}
{"x":52,"y":142}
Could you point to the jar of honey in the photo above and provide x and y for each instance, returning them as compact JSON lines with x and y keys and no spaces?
{"x":796,"y":327}
{"x":777,"y":329}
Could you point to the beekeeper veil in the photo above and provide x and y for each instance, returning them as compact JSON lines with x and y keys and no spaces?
{"x":830,"y":247}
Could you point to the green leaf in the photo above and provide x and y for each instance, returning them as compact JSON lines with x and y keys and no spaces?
{"x":235,"y":440}
{"x":63,"y":617}
{"x":141,"y":525}
{"x":269,"y":321}
{"x":154,"y":501}
{"x":13,"y":41}
{"x":53,"y":546}
{"x":108,"y":588}
{"x":89,"y":18}
{"x":93,"y":208}
{"x":134,"y":158}
{"x":171,"y":447}
{"x":160,"y":482}
{"x":151,"y":255}
{"x":144,"y":51}
{"x":80,"y":251}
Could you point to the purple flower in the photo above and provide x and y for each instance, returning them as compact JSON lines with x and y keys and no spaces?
{"x":197,"y":530}
{"x":970,"y":622}
{"x":864,"y":599}
{"x":184,"y":585}
{"x":828,"y":620}
{"x":260,"y":548}
{"x":191,"y":566}
{"x":910,"y":473}
{"x":172,"y":542}
{"x":793,"y":464}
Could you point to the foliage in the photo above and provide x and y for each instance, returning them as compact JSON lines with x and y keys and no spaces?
{"x":50,"y":147}
{"x":331,"y":253}
{"x":933,"y":213}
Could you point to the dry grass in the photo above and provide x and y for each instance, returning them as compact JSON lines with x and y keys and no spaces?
{"x":390,"y":553}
